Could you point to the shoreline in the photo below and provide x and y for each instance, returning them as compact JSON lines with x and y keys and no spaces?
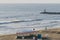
{"x":52,"y":33}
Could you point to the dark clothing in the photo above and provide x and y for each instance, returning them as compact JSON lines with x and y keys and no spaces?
{"x":35,"y":37}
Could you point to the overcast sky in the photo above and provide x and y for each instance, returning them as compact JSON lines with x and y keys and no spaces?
{"x":29,"y":1}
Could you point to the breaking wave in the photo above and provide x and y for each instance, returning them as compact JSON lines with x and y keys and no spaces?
{"x":19,"y":21}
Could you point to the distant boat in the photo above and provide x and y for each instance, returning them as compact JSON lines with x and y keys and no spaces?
{"x":45,"y":12}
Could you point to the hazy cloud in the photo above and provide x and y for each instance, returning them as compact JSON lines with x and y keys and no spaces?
{"x":29,"y":1}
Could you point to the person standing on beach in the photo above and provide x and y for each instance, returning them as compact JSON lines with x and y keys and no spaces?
{"x":35,"y":37}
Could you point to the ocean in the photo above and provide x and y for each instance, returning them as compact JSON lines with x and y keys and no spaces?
{"x":26,"y":17}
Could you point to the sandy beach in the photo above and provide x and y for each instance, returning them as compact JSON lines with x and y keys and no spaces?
{"x":8,"y":37}
{"x":53,"y":34}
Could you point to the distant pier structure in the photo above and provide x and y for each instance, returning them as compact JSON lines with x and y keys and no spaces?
{"x":45,"y":12}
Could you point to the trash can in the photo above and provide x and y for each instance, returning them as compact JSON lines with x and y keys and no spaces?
{"x":39,"y":36}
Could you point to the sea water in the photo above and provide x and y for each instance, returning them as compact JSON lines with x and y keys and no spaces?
{"x":26,"y":17}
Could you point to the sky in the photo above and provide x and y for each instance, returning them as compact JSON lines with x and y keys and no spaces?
{"x":29,"y":1}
